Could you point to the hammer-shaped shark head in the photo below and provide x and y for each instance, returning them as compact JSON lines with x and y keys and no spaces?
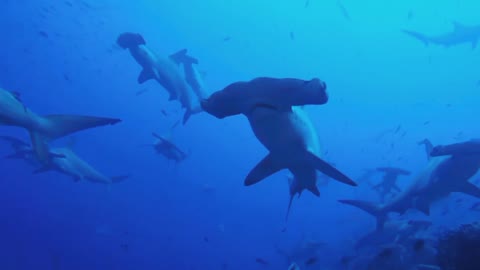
{"x":128,"y":40}
{"x":279,"y":94}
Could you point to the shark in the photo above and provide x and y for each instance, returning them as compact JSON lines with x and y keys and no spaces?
{"x":449,"y":169}
{"x":44,"y":129}
{"x":388,"y":185}
{"x":193,"y":77}
{"x":460,"y":34}
{"x":168,"y":149}
{"x":72,"y":165}
{"x":243,"y":97}
{"x":162,"y":69}
{"x":284,"y":129}
{"x":63,"y":160}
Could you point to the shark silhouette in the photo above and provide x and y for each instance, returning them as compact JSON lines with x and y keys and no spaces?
{"x":460,"y":34}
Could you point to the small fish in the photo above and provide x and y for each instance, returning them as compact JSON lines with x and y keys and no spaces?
{"x":141,"y":92}
{"x":397,"y":129}
{"x":292,"y":35}
{"x":68,"y":3}
{"x":164,"y":113}
{"x":66,"y":77}
{"x":227,"y":38}
{"x":43,"y":34}
{"x":344,"y":11}
{"x":426,"y":123}
{"x":410,"y":15}
{"x":205,"y":239}
{"x":311,"y":261}
{"x":307,"y":3}
{"x":261,"y":261}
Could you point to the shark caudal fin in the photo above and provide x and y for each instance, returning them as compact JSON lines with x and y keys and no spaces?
{"x":266,"y":167}
{"x":328,"y":169}
{"x":181,"y":57}
{"x":419,"y":36}
{"x":57,"y":126}
{"x":130,"y":40}
{"x":370,"y":208}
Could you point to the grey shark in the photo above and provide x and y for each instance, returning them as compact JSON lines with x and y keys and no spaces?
{"x":43,"y":129}
{"x":449,"y":170}
{"x":168,"y":149}
{"x":63,"y":160}
{"x":278,"y":94}
{"x":72,"y":165}
{"x":192,"y":75}
{"x":388,"y":185}
{"x":460,"y":34}
{"x":283,"y":128}
{"x":162,"y":69}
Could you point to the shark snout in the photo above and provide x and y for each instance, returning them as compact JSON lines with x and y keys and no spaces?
{"x":319,"y":88}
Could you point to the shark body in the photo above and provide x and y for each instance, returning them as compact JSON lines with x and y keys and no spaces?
{"x":43,"y":129}
{"x":459,"y":35}
{"x":162,"y":69}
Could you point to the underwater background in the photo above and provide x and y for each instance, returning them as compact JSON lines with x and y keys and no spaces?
{"x":387,"y":92}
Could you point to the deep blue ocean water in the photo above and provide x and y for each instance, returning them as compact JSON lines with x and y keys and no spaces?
{"x":62,"y":57}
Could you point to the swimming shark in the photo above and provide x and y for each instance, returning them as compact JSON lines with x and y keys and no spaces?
{"x":243,"y":97}
{"x":63,"y":160}
{"x":447,"y":171}
{"x":283,"y":128}
{"x":460,"y":34}
{"x":388,"y":185}
{"x":43,"y":129}
{"x":72,"y":165}
{"x":162,"y":69}
{"x":168,"y":149}
{"x":192,"y":75}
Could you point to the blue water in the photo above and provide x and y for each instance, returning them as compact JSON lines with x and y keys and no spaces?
{"x":62,"y":57}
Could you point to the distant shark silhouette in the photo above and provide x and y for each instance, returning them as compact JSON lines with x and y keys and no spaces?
{"x":388,"y":185}
{"x":168,"y":149}
{"x":164,"y":70}
{"x":63,"y":160}
{"x":284,"y":129}
{"x":460,"y":34}
{"x":43,"y":129}
{"x":449,"y":170}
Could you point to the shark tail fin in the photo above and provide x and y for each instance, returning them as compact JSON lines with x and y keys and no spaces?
{"x":119,"y":178}
{"x":57,"y":126}
{"x":129,"y":40}
{"x":181,"y":57}
{"x":419,"y":36}
{"x":328,"y":169}
{"x":370,"y":208}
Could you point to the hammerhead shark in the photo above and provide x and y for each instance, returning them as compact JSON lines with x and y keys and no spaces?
{"x":271,"y":107}
{"x":162,"y":69}
{"x":192,"y":75}
{"x":460,"y":34}
{"x":389,"y":181}
{"x":43,"y":129}
{"x":63,"y":160}
{"x":168,"y":149}
{"x":449,"y":170}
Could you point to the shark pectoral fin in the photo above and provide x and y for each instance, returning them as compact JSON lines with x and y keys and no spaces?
{"x":470,"y":189}
{"x":289,"y":206}
{"x":314,"y":190}
{"x":145,"y":75}
{"x":120,"y":178}
{"x":328,"y":169}
{"x":186,"y":116}
{"x":266,"y":167}
{"x":62,"y":125}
